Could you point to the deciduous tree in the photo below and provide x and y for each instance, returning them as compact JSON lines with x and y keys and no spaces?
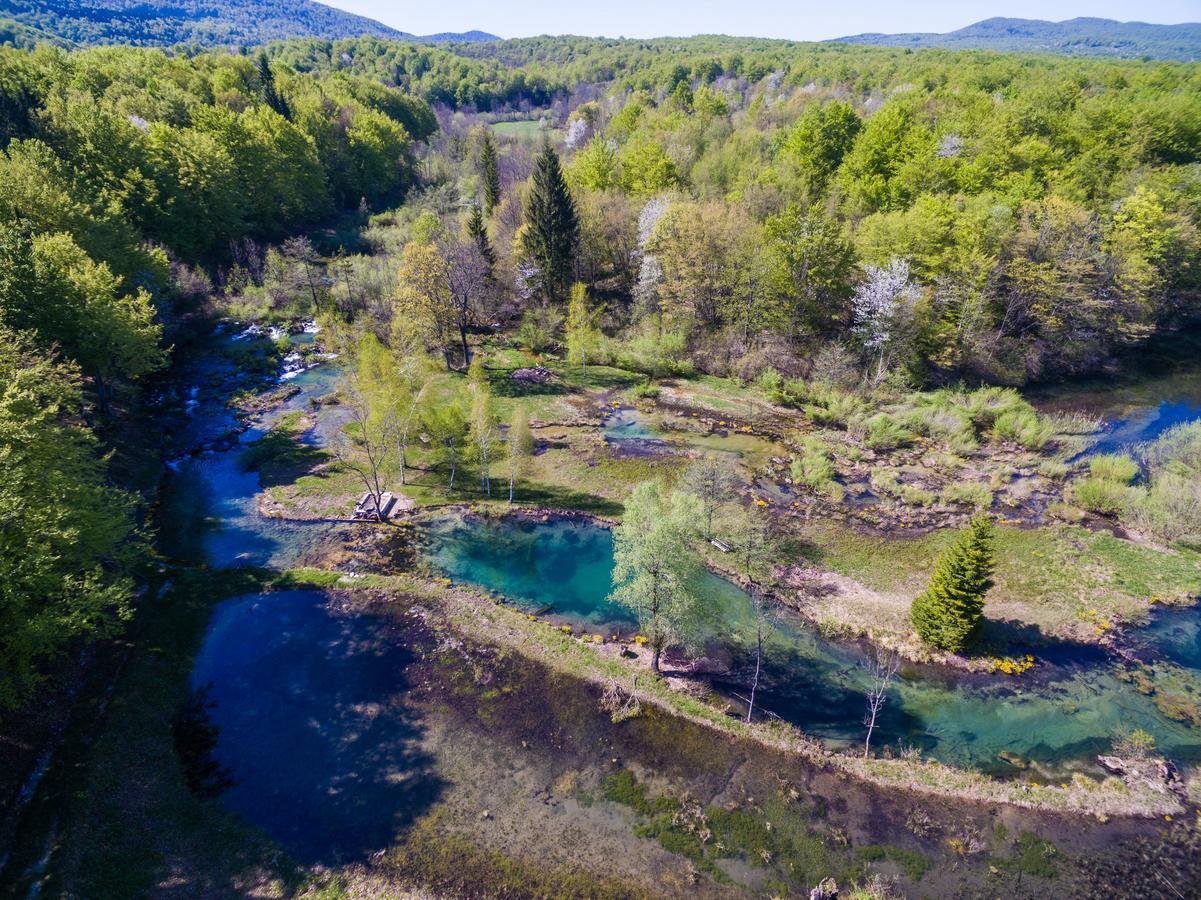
{"x":583,"y":331}
{"x":655,"y":568}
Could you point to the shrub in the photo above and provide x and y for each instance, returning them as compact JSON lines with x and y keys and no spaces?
{"x":786,"y":391}
{"x":1170,"y":509}
{"x":883,"y":432}
{"x":1178,"y":447}
{"x":916,"y":496}
{"x":987,"y":405}
{"x":1113,"y":467}
{"x":537,"y":331}
{"x":1104,"y":496}
{"x":834,"y":408}
{"x":813,"y":467}
{"x":1075,"y":423}
{"x":942,"y":420}
{"x":655,"y":353}
{"x":648,"y":390}
{"x":950,"y":611}
{"x":969,"y":493}
{"x":1053,"y":469}
{"x":1024,"y":427}
{"x":771,"y":383}
{"x":1138,"y":744}
{"x":836,"y":366}
{"x":885,"y":481}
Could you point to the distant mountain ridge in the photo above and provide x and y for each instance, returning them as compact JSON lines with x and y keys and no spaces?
{"x":1078,"y":37}
{"x":204,"y":22}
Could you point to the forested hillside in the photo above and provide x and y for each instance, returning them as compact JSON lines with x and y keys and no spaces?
{"x":760,"y":209}
{"x":200,"y":22}
{"x":1044,"y":212}
{"x":1076,"y":37}
{"x":512,"y":350}
{"x":126,"y":177}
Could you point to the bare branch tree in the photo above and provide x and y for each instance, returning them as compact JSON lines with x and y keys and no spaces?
{"x":710,"y":480}
{"x":467,"y":274}
{"x":759,"y":608}
{"x":364,"y":453}
{"x":882,"y":666}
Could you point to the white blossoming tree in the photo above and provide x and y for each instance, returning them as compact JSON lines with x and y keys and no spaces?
{"x":882,"y":307}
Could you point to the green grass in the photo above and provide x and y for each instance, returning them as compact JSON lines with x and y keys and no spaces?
{"x":526,"y":130}
{"x":1117,"y":467}
{"x":1104,"y":495}
{"x":776,"y":837}
{"x":1032,"y":856}
{"x":279,"y":456}
{"x":449,"y":863}
{"x":912,"y":863}
{"x":1053,"y":576}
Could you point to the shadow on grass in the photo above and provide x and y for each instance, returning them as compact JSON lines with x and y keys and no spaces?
{"x":563,"y":382}
{"x":792,"y":547}
{"x":504,"y":386}
{"x":556,"y":497}
{"x":1002,"y":636}
{"x":527,"y":493}
{"x":280,"y":457}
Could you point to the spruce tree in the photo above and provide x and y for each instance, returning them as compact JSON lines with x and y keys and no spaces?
{"x":488,"y":174}
{"x":551,"y":227}
{"x":478,"y":229}
{"x":267,"y":89}
{"x":949,"y":613}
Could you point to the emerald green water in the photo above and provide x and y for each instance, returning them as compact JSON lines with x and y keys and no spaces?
{"x":1057,"y":717}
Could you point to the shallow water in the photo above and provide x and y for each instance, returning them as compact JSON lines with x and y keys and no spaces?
{"x":312,"y":723}
{"x":1175,"y":636}
{"x":209,"y":510}
{"x":1058,"y":716}
{"x":1163,"y":390}
{"x":310,"y":703}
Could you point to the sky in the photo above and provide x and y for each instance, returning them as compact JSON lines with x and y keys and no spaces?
{"x":791,"y":19}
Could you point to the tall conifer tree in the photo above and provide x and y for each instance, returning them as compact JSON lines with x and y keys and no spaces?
{"x":478,"y":229}
{"x":488,"y":174}
{"x":551,"y":227}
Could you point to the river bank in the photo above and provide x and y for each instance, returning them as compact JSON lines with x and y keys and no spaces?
{"x":482,"y":688}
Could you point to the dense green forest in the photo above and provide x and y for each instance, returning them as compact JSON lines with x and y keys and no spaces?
{"x":200,"y":22}
{"x":126,"y":177}
{"x":867,"y":218}
{"x":1077,"y":37}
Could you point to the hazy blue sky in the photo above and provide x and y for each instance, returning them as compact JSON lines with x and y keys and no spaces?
{"x":794,"y":19}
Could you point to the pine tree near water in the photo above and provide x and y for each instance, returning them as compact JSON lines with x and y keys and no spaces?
{"x":949,"y":613}
{"x":552,"y":228}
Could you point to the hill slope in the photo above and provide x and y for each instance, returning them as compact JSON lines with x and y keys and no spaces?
{"x":204,"y":22}
{"x":1078,"y":37}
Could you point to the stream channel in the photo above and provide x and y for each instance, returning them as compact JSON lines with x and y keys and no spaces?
{"x":279,"y":663}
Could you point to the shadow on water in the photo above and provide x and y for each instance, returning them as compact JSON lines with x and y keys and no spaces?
{"x":311,"y":717}
{"x":1058,"y":716}
{"x":1158,"y":388}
